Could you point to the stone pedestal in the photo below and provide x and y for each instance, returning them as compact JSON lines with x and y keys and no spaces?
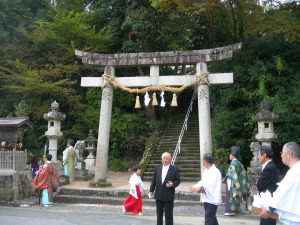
{"x":90,"y":161}
{"x":255,"y":165}
{"x":82,"y":175}
{"x":90,"y":165}
{"x":253,"y":188}
{"x":100,"y":184}
{"x":59,"y":167}
{"x":63,"y":180}
{"x":80,"y":165}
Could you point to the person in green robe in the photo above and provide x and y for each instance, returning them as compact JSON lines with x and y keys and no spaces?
{"x":71,"y":160}
{"x":237,"y":183}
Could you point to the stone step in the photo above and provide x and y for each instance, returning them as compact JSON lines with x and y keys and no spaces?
{"x":116,"y":193}
{"x":185,"y":141}
{"x":193,"y":148}
{"x":174,"y":136}
{"x":183,"y":165}
{"x":178,"y":162}
{"x":184,"y":169}
{"x":189,"y":159}
{"x":180,"y":156}
{"x":116,"y":201}
{"x":116,"y":197}
{"x":189,"y":175}
{"x":182,"y":178}
{"x":193,"y":154}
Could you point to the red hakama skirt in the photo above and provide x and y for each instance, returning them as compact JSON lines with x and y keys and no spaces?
{"x":133,"y":205}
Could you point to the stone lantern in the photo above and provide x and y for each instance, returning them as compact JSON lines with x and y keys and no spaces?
{"x":53,"y":134}
{"x":265,"y":119}
{"x":91,"y":145}
{"x":265,"y":136}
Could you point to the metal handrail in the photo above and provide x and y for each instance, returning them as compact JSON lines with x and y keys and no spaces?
{"x":184,"y":128}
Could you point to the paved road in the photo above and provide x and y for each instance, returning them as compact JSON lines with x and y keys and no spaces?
{"x":101,"y":215}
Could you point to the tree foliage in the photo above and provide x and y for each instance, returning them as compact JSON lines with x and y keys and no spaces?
{"x":38,"y":64}
{"x":236,"y":19}
{"x":264,"y":69}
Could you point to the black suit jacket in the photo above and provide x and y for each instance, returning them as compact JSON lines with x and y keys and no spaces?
{"x":268,"y":179}
{"x":162,"y":192}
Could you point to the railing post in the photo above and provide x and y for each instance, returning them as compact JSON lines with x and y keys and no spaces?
{"x":25,"y":159}
{"x":14,"y":159}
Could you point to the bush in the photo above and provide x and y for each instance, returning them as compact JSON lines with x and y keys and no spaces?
{"x":221,"y":158}
{"x":115,"y":164}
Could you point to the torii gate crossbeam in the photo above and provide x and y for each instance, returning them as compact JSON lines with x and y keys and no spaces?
{"x":154,"y":59}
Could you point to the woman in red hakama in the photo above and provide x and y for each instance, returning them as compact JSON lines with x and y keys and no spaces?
{"x":133,"y":203}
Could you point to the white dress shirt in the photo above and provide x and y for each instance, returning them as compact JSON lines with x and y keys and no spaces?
{"x":286,"y":199}
{"x":164,"y":173}
{"x":211,"y":182}
{"x":264,"y":165}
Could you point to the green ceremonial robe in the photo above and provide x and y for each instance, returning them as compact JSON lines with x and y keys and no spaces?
{"x":240,"y":184}
{"x":71,"y":161}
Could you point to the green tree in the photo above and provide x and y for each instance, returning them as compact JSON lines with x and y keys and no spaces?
{"x":16,"y":15}
{"x":266,"y":68}
{"x":231,"y":21}
{"x":47,"y":69}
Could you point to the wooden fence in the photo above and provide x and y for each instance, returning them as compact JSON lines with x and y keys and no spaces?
{"x":13,"y":160}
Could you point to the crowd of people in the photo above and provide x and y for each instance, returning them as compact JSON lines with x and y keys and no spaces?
{"x":281,"y":198}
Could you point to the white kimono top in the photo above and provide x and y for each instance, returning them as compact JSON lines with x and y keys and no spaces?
{"x":211,"y":182}
{"x":134,"y":181}
{"x":286,"y":199}
{"x":65,"y":154}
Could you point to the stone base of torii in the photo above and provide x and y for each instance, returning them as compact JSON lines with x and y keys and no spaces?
{"x":154,"y":59}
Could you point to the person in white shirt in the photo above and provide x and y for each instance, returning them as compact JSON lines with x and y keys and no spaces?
{"x":211,"y":184}
{"x":286,"y":199}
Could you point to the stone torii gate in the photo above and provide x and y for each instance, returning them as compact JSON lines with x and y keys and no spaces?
{"x":154,"y":60}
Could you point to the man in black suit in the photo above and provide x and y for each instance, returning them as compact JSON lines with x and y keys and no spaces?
{"x":269,"y":177}
{"x":165,"y":179}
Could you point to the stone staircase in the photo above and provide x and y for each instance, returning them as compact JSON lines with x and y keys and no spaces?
{"x":116,"y":197}
{"x":188,"y":160}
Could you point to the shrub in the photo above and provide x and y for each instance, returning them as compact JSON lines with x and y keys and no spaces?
{"x":115,"y":164}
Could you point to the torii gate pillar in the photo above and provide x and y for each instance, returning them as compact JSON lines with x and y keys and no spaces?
{"x":104,"y":127}
{"x":203,"y":115}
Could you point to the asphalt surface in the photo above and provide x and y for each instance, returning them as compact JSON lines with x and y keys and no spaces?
{"x":83,"y":214}
{"x":28,"y":212}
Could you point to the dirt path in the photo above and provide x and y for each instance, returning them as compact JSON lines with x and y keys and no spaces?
{"x":117,"y":179}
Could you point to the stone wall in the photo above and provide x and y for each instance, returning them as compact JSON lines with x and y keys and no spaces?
{"x":15,"y":185}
